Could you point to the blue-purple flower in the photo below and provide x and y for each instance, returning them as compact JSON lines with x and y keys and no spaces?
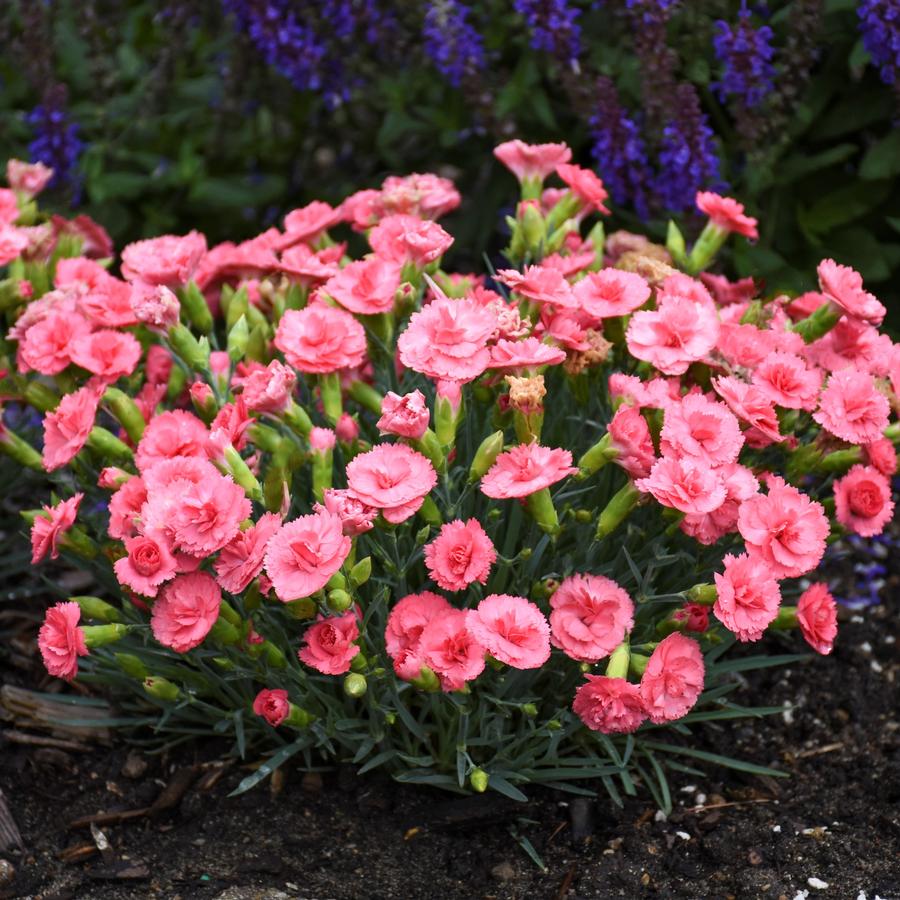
{"x":552,"y":26}
{"x":879,"y":22}
{"x":453,"y":43}
{"x":745,"y":53}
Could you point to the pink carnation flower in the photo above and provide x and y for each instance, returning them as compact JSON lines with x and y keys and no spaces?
{"x":817,"y":618}
{"x":448,"y":647}
{"x":461,"y":554}
{"x":673,"y":679}
{"x":752,"y":406}
{"x":541,"y":285}
{"x":241,"y":560}
{"x":727,"y":214}
{"x":158,"y":364}
{"x":401,"y":239}
{"x":269,"y":390}
{"x":46,"y":346}
{"x":512,"y":629}
{"x":155,"y":305}
{"x":532,"y":161}
{"x":590,"y":618}
{"x":611,"y":292}
{"x":303,"y":554}
{"x":27,"y":178}
{"x":784,"y":529}
{"x":169,"y":260}
{"x":356,"y":517}
{"x":366,"y":287}
{"x":630,"y":437}
{"x":686,"y":485}
{"x":786,"y":380}
{"x":406,"y":416}
{"x":170,"y":434}
{"x":585,"y":185}
{"x":393,"y":478}
{"x":321,"y":339}
{"x":149,"y":564}
{"x":882,"y":455}
{"x":208,"y":515}
{"x":125,"y":508}
{"x":328,"y":645}
{"x":701,"y":430}
{"x":406,"y":621}
{"x":675,"y":334}
{"x":852,"y":408}
{"x":186,"y":609}
{"x":61,"y":640}
{"x":50,"y":526}
{"x":530,"y":353}
{"x":862,"y":501}
{"x":744,"y":346}
{"x":740,"y":484}
{"x":272,"y":705}
{"x":67,"y":428}
{"x":526,"y":469}
{"x":609,"y":705}
{"x":447,"y":339}
{"x":844,"y":286}
{"x":106,"y":353}
{"x":308,"y":223}
{"x":425,"y":195}
{"x":13,"y":242}
{"x":748,"y":596}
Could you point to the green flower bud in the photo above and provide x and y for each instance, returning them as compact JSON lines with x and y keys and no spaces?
{"x":426,"y":680}
{"x":19,"y":450}
{"x":818,"y":323}
{"x":430,"y":513}
{"x":197,"y":309}
{"x":366,"y":396}
{"x":675,"y":245}
{"x":95,"y":608}
{"x":704,"y":594}
{"x":355,"y":685}
{"x":339,"y":601}
{"x":131,"y":665}
{"x":479,"y":779}
{"x":238,"y":338}
{"x":330,"y":387}
{"x":194,"y":353}
{"x":108,"y":445}
{"x":540,"y":505}
{"x":618,"y":508}
{"x":161,"y":688}
{"x":100,"y":635}
{"x":298,"y":420}
{"x":361,"y":572}
{"x":298,"y":718}
{"x":486,"y":455}
{"x":617,"y":667}
{"x":126,"y":412}
{"x":301,"y":609}
{"x":530,"y":709}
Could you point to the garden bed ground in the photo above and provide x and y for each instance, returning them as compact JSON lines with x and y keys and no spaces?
{"x":835,"y":821}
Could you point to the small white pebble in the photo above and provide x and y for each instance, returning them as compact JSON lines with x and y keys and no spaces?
{"x":701,"y":799}
{"x":660,"y":816}
{"x":689,"y":789}
{"x":817,"y":883}
{"x":890,"y":639}
{"x":788,"y":714}
{"x":858,"y":620}
{"x":861,"y":896}
{"x":683,"y":835}
{"x":876,"y":666}
{"x":563,"y":804}
{"x":776,"y":829}
{"x":866,"y":647}
{"x":801,"y":895}
{"x":820,"y":829}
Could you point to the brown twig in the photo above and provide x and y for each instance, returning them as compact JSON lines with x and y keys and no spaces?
{"x":37,"y":740}
{"x":699,"y":809}
{"x":828,"y":748}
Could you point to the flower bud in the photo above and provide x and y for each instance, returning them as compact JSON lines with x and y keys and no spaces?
{"x":618,"y":508}
{"x":194,"y":304}
{"x":95,"y":608}
{"x":194,"y":353}
{"x":298,"y":718}
{"x":818,"y":323}
{"x":478,"y":779}
{"x":301,"y":609}
{"x":530,"y":710}
{"x":355,"y":685}
{"x":540,"y":505}
{"x":106,"y":444}
{"x":204,"y":401}
{"x":131,"y":665}
{"x":361,"y":572}
{"x":675,"y":245}
{"x":339,"y":601}
{"x":100,"y":635}
{"x":126,"y":412}
{"x":448,"y":407}
{"x":330,"y":388}
{"x":704,"y":594}
{"x":19,"y":450}
{"x":238,"y":338}
{"x":161,"y":688}
{"x":617,"y":667}
{"x":426,"y":680}
{"x":366,"y":396}
{"x":298,"y":420}
{"x":486,"y":455}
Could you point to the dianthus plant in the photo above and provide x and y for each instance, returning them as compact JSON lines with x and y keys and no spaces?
{"x":480,"y":530}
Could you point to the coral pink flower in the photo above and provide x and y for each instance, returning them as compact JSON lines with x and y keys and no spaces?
{"x":308,"y":223}
{"x":539,"y":284}
{"x":784,"y":529}
{"x":9,"y":207}
{"x":745,"y":345}
{"x":448,"y":647}
{"x":461,"y":554}
{"x":272,"y":705}
{"x":532,"y":161}
{"x":401,"y":239}
{"x":46,"y":346}
{"x":306,"y":267}
{"x":169,"y":260}
{"x":673,"y":679}
{"x":322,"y":439}
{"x":356,"y":517}
{"x":425,"y":195}
{"x":209,"y":515}
{"x":347,"y":428}
{"x":27,"y":178}
{"x":687,"y":485}
{"x":656,"y":393}
{"x":186,"y":609}
{"x":611,"y":292}
{"x":365,"y":287}
{"x":585,"y":185}
{"x":158,"y":364}
{"x":591,"y":615}
{"x":740,"y":484}
{"x":147,"y":565}
{"x":241,"y":560}
{"x":328,"y":645}
{"x":321,"y":339}
{"x":748,"y":596}
{"x":393,"y":478}
{"x":125,"y":508}
{"x":526,"y":469}
{"x":194,"y":469}
{"x":170,"y":434}
{"x":106,"y":353}
{"x":67,"y":428}
{"x":728,"y":292}
{"x":630,"y":437}
{"x":817,"y":618}
{"x":61,"y":640}
{"x":882,"y":455}
{"x":303,"y":554}
{"x":154,"y":305}
{"x":750,"y":405}
{"x":675,"y":334}
{"x":852,"y":408}
{"x":786,"y":380}
{"x":702,"y":430}
{"x":609,"y":705}
{"x":50,"y":526}
{"x":530,"y":353}
{"x":694,"y":616}
{"x":844,"y":286}
{"x":406,"y":416}
{"x":852,"y":343}
{"x":448,"y":339}
{"x":230,"y":426}
{"x":403,"y":633}
{"x":512,"y":629}
{"x":862,"y":501}
{"x":727,"y":214}
{"x":13,"y":242}
{"x":269,"y":389}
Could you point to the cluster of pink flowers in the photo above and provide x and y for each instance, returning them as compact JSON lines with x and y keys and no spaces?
{"x":274,"y":423}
